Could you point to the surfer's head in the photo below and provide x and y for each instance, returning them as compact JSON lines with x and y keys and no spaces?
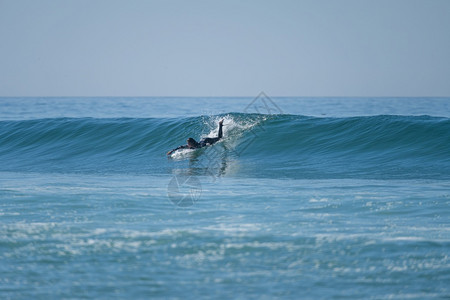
{"x":192,"y":143}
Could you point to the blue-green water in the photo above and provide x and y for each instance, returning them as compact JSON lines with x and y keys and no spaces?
{"x":303,"y":198}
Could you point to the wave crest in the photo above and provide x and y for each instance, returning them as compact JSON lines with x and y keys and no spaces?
{"x":289,"y":142}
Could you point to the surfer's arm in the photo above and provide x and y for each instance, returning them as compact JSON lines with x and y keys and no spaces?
{"x":220,"y":129}
{"x":177,"y":148}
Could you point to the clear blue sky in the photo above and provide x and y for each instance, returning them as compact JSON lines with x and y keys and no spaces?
{"x":225,"y":48}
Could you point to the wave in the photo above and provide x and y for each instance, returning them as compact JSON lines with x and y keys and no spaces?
{"x":262,"y":145}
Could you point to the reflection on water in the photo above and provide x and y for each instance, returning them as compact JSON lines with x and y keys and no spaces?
{"x":214,"y":162}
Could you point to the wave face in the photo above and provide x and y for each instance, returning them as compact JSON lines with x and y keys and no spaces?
{"x":278,"y":146}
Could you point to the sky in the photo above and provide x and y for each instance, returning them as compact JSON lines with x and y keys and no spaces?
{"x":319,"y":48}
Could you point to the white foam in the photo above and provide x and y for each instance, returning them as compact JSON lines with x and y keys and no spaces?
{"x":182,"y":154}
{"x":231,"y":126}
{"x":314,"y":200}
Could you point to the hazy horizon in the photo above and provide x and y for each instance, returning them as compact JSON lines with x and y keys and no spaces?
{"x":224,"y":49}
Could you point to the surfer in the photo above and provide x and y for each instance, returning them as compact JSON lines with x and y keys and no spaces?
{"x":193,"y":144}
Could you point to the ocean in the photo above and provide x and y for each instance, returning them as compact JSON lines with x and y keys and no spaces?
{"x":303,"y":198}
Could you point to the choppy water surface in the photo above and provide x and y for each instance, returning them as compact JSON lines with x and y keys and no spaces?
{"x":311,"y":198}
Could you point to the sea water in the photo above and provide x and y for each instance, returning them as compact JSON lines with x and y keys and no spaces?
{"x":303,"y":198}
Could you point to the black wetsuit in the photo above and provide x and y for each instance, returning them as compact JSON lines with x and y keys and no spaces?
{"x":203,"y":142}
